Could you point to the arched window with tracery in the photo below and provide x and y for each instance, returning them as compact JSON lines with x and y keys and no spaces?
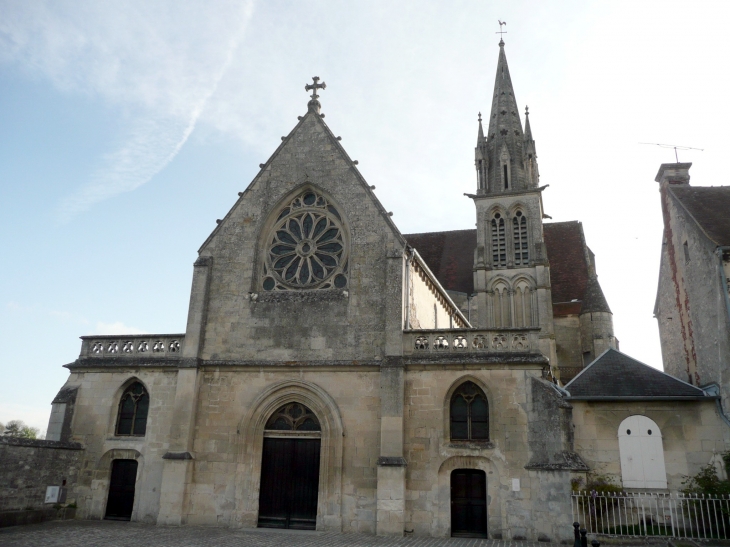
{"x":307,"y":246}
{"x":469,"y":414}
{"x":133,"y":408}
{"x":519,"y":237}
{"x":499,"y":252}
{"x":293,"y":417}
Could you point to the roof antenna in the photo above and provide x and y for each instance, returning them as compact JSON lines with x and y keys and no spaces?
{"x":675,"y":146}
{"x":501,"y":32}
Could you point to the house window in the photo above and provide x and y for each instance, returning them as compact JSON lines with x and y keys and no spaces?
{"x":499,"y":253}
{"x":133,"y":408}
{"x":469,"y":414}
{"x":642,"y":453}
{"x":519,"y":236}
{"x":506,"y":176}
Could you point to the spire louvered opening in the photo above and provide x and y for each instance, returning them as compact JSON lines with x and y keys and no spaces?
{"x":499,"y":253}
{"x":519,"y":236}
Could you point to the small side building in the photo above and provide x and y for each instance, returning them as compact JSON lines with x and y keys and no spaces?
{"x":642,"y":427}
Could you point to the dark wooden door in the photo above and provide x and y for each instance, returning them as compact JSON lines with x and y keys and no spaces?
{"x":468,"y":503}
{"x":289,"y":483}
{"x":121,"y":490}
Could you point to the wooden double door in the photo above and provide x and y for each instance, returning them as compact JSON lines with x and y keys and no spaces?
{"x":121,"y":490}
{"x":289,"y":483}
{"x":468,"y":503}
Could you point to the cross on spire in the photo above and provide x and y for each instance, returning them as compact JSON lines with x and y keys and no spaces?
{"x":314,"y":87}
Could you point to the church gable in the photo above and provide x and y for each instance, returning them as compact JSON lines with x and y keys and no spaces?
{"x":300,"y":266}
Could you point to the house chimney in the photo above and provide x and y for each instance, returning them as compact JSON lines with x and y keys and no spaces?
{"x":673,"y":173}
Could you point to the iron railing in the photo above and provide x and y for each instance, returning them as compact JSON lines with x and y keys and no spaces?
{"x":641,"y":514}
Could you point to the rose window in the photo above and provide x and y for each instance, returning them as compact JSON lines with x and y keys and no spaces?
{"x":307,"y":247}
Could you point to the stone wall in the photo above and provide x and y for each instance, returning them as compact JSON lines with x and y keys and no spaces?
{"x":427,"y":308}
{"x":245,"y":321}
{"x":691,"y":309}
{"x":28,"y":466}
{"x":540,"y":508}
{"x":232,"y":410}
{"x":568,"y":341}
{"x":94,"y":425}
{"x":692,"y":434}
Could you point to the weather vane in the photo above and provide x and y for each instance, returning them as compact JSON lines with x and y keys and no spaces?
{"x":501,"y":32}
{"x":675,"y":146}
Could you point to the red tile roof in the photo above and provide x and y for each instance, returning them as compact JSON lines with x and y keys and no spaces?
{"x":450,"y":256}
{"x":567,"y":256}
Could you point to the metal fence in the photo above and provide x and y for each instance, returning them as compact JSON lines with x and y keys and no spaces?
{"x":694,"y":516}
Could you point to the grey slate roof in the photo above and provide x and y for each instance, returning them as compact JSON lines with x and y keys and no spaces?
{"x":709,"y":206}
{"x":615,"y":376}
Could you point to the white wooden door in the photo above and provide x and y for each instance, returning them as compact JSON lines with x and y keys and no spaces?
{"x":642,"y":453}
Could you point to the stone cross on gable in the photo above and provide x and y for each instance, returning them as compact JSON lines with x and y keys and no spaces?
{"x":314,"y":87}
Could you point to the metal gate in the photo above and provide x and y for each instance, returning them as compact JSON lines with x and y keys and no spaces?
{"x":121,"y":490}
{"x":468,"y":503}
{"x":289,"y":483}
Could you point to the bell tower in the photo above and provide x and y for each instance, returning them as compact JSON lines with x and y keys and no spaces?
{"x":511,"y":271}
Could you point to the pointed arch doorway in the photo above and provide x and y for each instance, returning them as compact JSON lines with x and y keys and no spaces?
{"x":290,"y":469}
{"x":468,"y":503}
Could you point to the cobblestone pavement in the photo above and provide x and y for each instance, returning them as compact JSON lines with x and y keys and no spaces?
{"x":94,"y":533}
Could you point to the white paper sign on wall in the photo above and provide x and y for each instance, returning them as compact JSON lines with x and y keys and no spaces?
{"x":52,"y":494}
{"x":515,"y":485}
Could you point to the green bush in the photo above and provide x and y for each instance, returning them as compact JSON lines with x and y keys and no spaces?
{"x":707,"y":482}
{"x":602,"y":484}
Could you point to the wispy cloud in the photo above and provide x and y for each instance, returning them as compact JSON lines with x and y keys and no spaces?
{"x":116,"y":328}
{"x":159,"y":63}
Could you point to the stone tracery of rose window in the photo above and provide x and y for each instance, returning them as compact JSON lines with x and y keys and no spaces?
{"x":307,"y":246}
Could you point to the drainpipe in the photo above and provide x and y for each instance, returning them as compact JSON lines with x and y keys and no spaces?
{"x":713,"y":390}
{"x":408,"y":287}
{"x":723,"y":282}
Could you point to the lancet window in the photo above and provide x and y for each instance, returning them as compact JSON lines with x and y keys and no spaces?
{"x":519,"y":238}
{"x":501,"y":305}
{"x":133,"y":409}
{"x":523,"y":305}
{"x":499,"y":252}
{"x":307,"y":247}
{"x":469,"y":412}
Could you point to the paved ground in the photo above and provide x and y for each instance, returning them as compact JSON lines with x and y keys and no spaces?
{"x":94,"y":533}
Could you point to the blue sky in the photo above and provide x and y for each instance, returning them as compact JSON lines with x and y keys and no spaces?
{"x":127,"y":129}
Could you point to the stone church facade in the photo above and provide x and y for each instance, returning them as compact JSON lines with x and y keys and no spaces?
{"x":339,"y":375}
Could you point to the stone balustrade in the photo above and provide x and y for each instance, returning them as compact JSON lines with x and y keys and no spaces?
{"x":133,"y":346}
{"x":517,"y":340}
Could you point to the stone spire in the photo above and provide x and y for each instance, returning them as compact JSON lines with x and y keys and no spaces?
{"x":531,"y":171}
{"x":506,"y":169}
{"x":480,"y":159}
